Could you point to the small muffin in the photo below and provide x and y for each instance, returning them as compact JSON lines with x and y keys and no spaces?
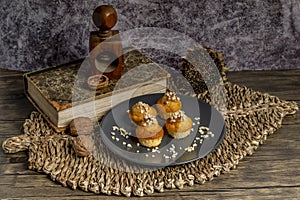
{"x":168,"y":104}
{"x":179,"y":125}
{"x":138,"y":112}
{"x":150,"y":133}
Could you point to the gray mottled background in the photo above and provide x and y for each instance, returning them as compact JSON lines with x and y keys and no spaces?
{"x":252,"y":34}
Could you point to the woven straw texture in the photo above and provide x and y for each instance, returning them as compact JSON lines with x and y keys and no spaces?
{"x":250,"y":117}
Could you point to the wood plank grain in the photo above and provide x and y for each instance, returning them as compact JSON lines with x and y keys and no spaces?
{"x":9,"y":73}
{"x":271,"y":172}
{"x":38,"y":187}
{"x":15,"y":109}
{"x":282,"y":83}
{"x":11,"y":86}
{"x":292,"y":119}
{"x":20,"y":157}
{"x":11,"y":127}
{"x":51,"y":191}
{"x":13,"y":103}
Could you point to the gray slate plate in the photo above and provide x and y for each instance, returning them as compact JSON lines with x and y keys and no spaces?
{"x":193,"y":107}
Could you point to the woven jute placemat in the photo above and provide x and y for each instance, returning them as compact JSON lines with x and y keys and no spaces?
{"x":250,"y":117}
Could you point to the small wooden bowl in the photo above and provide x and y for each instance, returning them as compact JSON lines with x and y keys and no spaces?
{"x":97,"y":82}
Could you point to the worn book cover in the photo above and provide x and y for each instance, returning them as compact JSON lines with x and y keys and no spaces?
{"x":61,"y":93}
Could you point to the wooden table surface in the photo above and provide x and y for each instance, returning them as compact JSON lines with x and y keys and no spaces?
{"x":272,"y":172}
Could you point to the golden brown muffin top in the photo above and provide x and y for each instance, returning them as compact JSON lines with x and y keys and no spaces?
{"x":178,"y":116}
{"x":148,"y":120}
{"x":140,"y":108}
{"x":179,"y":124}
{"x":171,"y":96}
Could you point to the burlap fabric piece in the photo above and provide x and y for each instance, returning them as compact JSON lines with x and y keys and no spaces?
{"x":251,"y":116}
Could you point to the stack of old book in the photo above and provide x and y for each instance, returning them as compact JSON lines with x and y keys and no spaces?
{"x":61,"y":94}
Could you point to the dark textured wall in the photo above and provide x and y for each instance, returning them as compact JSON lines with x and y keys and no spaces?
{"x":252,"y":34}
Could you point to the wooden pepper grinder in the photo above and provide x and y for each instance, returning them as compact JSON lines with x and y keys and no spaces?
{"x":106,"y":58}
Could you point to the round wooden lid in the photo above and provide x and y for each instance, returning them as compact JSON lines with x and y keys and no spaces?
{"x":105,"y":17}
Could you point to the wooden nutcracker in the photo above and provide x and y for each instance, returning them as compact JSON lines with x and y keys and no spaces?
{"x":107,"y":58}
